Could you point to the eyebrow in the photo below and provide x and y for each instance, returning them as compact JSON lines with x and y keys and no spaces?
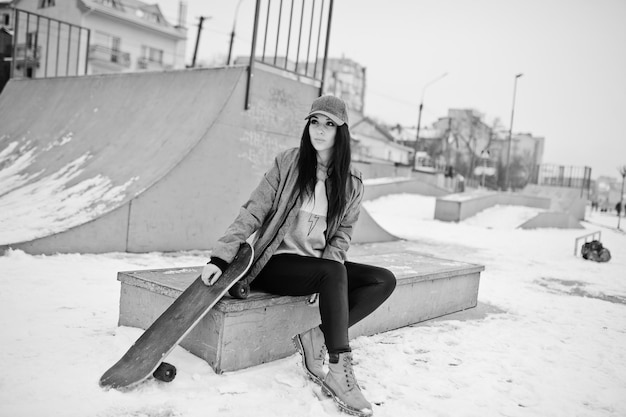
{"x":317,"y":117}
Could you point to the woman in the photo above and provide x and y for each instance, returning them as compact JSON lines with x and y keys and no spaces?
{"x":304,"y":211}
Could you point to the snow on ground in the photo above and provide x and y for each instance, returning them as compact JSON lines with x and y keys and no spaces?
{"x":547,"y":338}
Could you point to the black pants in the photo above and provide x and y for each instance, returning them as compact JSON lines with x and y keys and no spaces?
{"x":347,"y":292}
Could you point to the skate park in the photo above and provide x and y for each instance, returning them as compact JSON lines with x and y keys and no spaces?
{"x":149,"y":184}
{"x":100,"y":174}
{"x":161,"y":161}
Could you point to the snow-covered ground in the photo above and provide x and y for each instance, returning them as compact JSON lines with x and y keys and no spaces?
{"x":547,"y":339}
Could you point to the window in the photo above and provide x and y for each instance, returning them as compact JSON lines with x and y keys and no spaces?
{"x":46,"y":3}
{"x":31,"y":40}
{"x":111,"y":3}
{"x":156,"y":55}
{"x":152,"y":54}
{"x":6,"y":19}
{"x":152,"y":17}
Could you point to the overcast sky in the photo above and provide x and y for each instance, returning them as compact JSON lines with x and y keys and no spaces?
{"x":572,"y":54}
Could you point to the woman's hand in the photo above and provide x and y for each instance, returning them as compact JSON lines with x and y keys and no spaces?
{"x":210,"y":274}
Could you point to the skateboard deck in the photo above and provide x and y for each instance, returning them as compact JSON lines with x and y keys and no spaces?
{"x":147,"y":353}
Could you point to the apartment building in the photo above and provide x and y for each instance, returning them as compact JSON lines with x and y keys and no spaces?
{"x":63,"y":37}
{"x":346,"y":78}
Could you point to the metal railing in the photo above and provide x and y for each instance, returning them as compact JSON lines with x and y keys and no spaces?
{"x":47,"y":47}
{"x":293,"y":36}
{"x":562,"y":176}
{"x":586,"y":238}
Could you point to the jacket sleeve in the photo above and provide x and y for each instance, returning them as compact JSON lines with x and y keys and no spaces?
{"x":339,"y":243}
{"x":250,"y":218}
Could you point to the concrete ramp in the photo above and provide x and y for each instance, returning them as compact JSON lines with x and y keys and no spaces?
{"x":563,"y":199}
{"x":552,"y":219}
{"x":378,"y":187}
{"x":138,"y":162}
{"x":367,"y":230}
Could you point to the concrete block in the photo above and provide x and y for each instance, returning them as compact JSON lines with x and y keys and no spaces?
{"x":237,"y":334}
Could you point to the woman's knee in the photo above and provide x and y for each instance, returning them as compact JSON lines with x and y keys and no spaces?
{"x":333,"y":272}
{"x":387,"y":281}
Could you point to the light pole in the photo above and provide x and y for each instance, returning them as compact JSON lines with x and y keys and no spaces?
{"x":419,"y":116}
{"x":232,"y":34}
{"x":508,"y":156}
{"x":622,"y":171}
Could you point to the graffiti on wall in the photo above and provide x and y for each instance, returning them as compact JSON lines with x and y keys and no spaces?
{"x":276,"y":124}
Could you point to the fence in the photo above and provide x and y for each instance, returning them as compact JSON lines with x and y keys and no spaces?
{"x":288,"y":35}
{"x":47,"y":47}
{"x":563,"y":176}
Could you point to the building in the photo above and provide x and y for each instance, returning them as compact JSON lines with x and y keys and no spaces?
{"x":528,"y":147}
{"x":374,"y":144}
{"x":6,"y":41}
{"x":92,"y":37}
{"x":346,"y":78}
{"x":464,"y":142}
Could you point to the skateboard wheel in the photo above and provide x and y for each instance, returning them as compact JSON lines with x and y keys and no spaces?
{"x":239,"y":290}
{"x":166,"y":372}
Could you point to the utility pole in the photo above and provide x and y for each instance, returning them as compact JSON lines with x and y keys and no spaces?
{"x":232,"y":34}
{"x":195,"y":51}
{"x":508,"y":157}
{"x":419,"y":116}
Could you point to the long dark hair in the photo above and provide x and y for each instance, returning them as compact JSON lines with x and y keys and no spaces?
{"x":338,"y":169}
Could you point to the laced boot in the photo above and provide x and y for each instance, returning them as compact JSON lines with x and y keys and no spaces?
{"x":310,"y":344}
{"x":340,"y":383}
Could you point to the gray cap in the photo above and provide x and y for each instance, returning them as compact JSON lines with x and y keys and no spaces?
{"x":332,"y":107}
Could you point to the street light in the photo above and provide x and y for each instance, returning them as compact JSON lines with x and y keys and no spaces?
{"x":232,"y":34}
{"x":419,"y":117}
{"x":508,"y":157}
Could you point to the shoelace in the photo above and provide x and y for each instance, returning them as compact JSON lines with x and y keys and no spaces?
{"x":349,"y":373}
{"x":322,"y":353}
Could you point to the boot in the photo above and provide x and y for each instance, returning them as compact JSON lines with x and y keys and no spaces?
{"x":310,"y":344}
{"x":340,"y":383}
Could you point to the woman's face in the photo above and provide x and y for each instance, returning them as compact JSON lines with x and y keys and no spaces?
{"x":322,"y":131}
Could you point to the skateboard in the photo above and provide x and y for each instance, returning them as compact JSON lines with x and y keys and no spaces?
{"x":145,"y":356}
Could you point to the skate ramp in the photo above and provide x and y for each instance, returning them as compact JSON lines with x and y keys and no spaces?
{"x":552,"y":219}
{"x":460,"y":206}
{"x":138,"y":162}
{"x":367,"y":230}
{"x":562,"y":199}
{"x":379,"y":187}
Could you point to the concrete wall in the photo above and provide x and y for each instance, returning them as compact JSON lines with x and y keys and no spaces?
{"x":379,"y":170}
{"x":375,"y":189}
{"x":457,"y":207}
